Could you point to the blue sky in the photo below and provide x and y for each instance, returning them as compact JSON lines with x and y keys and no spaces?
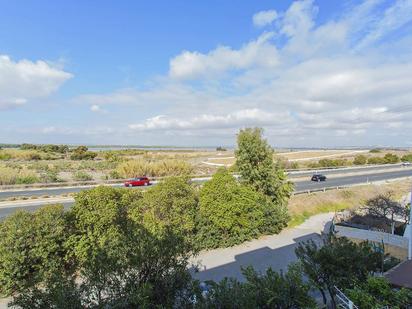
{"x":311,"y":73}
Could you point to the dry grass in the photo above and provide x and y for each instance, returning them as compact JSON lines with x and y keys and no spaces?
{"x":11,"y":176}
{"x":299,"y":155}
{"x":304,"y":206}
{"x":140,"y":167}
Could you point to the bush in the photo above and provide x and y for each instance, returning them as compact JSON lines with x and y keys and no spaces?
{"x":268,"y":290}
{"x":82,"y":153}
{"x":329,"y":163}
{"x":32,"y":248}
{"x":172,"y":204}
{"x":375,"y":150}
{"x":407,"y":158}
{"x":376,"y":160}
{"x":376,"y":292}
{"x":135,"y":168}
{"x":82,"y":176}
{"x":360,"y":160}
{"x":231,"y":213}
{"x":50,"y":176}
{"x":391,"y":158}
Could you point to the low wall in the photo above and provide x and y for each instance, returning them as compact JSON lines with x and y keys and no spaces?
{"x":395,"y":245}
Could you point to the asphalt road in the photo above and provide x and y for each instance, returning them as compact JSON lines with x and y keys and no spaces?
{"x":299,"y":186}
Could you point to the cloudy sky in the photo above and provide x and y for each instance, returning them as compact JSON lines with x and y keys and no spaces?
{"x":311,"y":73}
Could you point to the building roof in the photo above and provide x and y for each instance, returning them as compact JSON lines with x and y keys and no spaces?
{"x":401,"y":275}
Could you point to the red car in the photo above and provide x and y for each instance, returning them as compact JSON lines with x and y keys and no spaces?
{"x":139,"y":181}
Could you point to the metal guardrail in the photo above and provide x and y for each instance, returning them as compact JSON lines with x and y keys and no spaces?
{"x":343,"y":301}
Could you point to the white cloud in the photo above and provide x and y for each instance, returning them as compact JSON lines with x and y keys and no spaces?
{"x":97,"y":109}
{"x":264,"y":18}
{"x":246,"y":117}
{"x":24,"y":80}
{"x":258,"y":53}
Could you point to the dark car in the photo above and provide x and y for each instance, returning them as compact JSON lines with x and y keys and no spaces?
{"x":318,"y":177}
{"x":138,"y":181}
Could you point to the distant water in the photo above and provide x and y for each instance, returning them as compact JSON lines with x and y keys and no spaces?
{"x":154,"y":148}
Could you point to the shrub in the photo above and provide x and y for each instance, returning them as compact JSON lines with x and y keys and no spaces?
{"x":375,"y":150}
{"x":82,"y":176}
{"x":360,"y":160}
{"x":376,"y":160}
{"x":376,"y":292}
{"x":32,"y":248}
{"x":172,"y":204}
{"x":268,"y":290}
{"x":82,"y":153}
{"x":391,"y":158}
{"x":407,"y":158}
{"x":231,"y":213}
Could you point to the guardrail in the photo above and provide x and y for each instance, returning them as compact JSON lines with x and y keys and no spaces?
{"x":82,"y":183}
{"x":324,"y":189}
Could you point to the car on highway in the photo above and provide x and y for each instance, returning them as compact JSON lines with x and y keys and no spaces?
{"x":136,"y":182}
{"x":406,"y":163}
{"x":318,"y":177}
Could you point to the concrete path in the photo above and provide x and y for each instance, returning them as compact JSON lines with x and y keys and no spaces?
{"x":275,"y":251}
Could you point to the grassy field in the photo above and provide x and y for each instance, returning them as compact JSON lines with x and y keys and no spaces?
{"x":301,"y":207}
{"x":45,"y":165}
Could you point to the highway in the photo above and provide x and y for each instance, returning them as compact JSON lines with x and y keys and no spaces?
{"x":369,"y":175}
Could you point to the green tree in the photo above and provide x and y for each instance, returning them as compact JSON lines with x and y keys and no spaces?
{"x":231,"y":213}
{"x":360,"y":160}
{"x":268,"y":290}
{"x":122,"y":262}
{"x":33,"y":248}
{"x":376,"y":293}
{"x":338,"y":262}
{"x":254,"y":161}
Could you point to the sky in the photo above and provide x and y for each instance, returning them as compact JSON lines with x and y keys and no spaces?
{"x":193,"y":73}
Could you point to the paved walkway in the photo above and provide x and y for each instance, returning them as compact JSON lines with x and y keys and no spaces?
{"x":275,"y":251}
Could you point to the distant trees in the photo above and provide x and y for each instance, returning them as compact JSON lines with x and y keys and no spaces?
{"x":82,"y":153}
{"x":46,"y":148}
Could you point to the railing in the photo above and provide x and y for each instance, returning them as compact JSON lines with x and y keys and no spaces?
{"x":343,"y":301}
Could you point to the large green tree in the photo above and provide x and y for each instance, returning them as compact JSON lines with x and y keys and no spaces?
{"x":231,"y":213}
{"x":256,"y":165}
{"x":123,"y":260}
